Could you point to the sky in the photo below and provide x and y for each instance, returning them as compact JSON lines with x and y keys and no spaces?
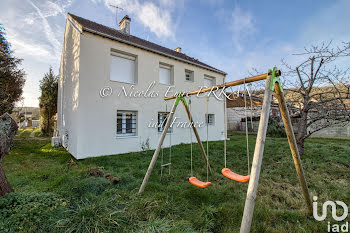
{"x":233,"y":36}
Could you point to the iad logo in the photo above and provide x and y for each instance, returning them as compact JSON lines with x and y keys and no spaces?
{"x":334,"y":227}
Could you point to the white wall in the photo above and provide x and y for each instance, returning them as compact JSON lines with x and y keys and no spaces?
{"x":68,"y":90}
{"x":234,"y":116}
{"x":95,"y":125}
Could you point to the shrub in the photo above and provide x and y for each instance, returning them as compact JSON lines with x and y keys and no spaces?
{"x":275,"y":130}
{"x":30,"y":212}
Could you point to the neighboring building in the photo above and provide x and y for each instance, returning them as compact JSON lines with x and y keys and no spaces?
{"x":236,"y":112}
{"x":236,"y":117}
{"x":26,"y":116}
{"x":93,"y":121}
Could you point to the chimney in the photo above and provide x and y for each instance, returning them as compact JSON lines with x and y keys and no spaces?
{"x":124,"y":25}
{"x":178,"y":49}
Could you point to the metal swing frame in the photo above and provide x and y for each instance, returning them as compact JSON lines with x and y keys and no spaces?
{"x":272,"y":85}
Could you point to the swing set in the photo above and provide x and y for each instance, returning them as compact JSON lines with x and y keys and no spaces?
{"x":272,"y":85}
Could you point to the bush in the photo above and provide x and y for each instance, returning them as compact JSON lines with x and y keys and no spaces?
{"x":30,"y":212}
{"x":275,"y":130}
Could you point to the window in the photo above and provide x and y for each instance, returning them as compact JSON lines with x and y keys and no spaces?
{"x":189,"y":75}
{"x":209,"y":81}
{"x":165,"y":74}
{"x":162,"y":119}
{"x":126,"y":123}
{"x":122,"y":68}
{"x":210,"y":119}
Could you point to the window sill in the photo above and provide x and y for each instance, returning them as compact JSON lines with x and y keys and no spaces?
{"x":122,"y":137}
{"x":122,"y":82}
{"x":165,"y":84}
{"x":166,"y":133}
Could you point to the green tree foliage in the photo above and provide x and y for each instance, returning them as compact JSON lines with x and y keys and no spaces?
{"x":48,"y":102}
{"x":12,"y":78}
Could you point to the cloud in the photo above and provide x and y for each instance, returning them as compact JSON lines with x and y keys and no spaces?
{"x":241,"y":26}
{"x":35,"y":32}
{"x":51,"y":37}
{"x":24,"y":47}
{"x":157,"y":18}
{"x":48,"y":9}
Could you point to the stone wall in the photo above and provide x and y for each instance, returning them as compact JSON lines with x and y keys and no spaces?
{"x":335,"y":131}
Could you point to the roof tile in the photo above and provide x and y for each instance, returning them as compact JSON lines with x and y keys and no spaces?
{"x":112,"y":33}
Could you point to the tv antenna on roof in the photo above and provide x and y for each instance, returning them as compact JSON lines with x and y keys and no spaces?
{"x":116,"y":8}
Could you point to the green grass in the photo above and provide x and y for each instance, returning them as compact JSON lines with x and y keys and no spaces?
{"x":24,"y":132}
{"x":28,"y":132}
{"x":52,"y":196}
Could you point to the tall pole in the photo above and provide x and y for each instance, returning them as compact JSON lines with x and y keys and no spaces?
{"x":156,"y":152}
{"x":293,"y":145}
{"x":116,"y":8}
{"x":257,"y":160}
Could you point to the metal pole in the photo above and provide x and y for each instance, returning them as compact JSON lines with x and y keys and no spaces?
{"x":257,"y":160}
{"x":293,"y":145}
{"x":160,"y":143}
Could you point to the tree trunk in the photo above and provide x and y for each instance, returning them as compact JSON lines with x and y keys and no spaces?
{"x":8,"y":129}
{"x":302,"y":130}
{"x":5,"y":186}
{"x":48,"y":124}
{"x":300,"y":145}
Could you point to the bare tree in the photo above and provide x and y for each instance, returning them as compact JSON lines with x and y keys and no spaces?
{"x":320,"y":88}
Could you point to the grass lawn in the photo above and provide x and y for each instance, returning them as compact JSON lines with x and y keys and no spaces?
{"x":55,"y":196}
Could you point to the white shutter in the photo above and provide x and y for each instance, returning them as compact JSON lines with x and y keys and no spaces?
{"x":122,"y":68}
{"x":164,"y":74}
{"x":208,"y":82}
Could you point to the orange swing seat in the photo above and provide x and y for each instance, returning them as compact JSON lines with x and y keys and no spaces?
{"x":193,"y":180}
{"x":234,"y":176}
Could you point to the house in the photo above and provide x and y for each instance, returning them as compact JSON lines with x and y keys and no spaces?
{"x":26,"y":116}
{"x":111,"y":90}
{"x":236,"y":112}
{"x":236,"y":115}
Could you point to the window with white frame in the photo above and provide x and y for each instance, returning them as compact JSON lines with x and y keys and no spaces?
{"x":126,"y":123}
{"x":210,"y":119}
{"x":165,"y":74}
{"x":122,"y":68}
{"x":162,"y":119}
{"x":189,"y":75}
{"x":209,"y":81}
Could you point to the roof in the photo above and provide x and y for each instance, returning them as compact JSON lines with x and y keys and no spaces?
{"x":114,"y":34}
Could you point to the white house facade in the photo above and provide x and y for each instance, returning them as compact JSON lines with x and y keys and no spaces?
{"x":111,"y":90}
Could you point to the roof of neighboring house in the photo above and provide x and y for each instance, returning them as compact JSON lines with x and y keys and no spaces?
{"x":254,"y":101}
{"x":114,"y":34}
{"x":238,"y":101}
